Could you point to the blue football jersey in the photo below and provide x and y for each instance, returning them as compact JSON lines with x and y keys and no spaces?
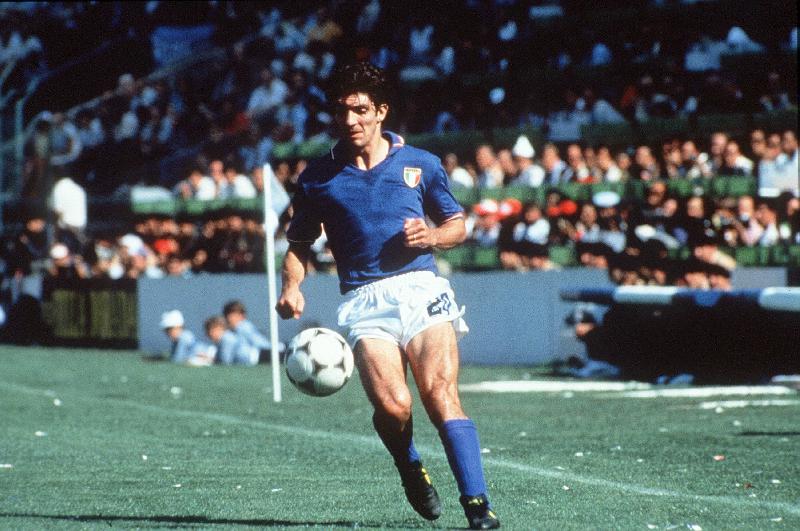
{"x":363,"y":211}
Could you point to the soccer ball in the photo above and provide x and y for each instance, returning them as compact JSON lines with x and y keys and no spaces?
{"x":319,"y":361}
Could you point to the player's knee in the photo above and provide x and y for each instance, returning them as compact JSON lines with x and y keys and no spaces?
{"x":438,"y":394}
{"x":396,"y":406}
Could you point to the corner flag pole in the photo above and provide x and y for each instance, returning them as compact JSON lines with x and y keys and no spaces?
{"x":270,"y":225}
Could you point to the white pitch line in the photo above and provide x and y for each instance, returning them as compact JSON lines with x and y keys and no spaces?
{"x":550,"y":386}
{"x":373,"y":443}
{"x":705,"y":392}
{"x":733,"y":404}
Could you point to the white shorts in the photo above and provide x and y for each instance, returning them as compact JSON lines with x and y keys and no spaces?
{"x":398,"y":308}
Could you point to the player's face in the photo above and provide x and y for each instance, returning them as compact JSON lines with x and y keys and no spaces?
{"x":359,"y":119}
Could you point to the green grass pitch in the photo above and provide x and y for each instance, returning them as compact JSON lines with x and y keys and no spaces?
{"x":98,"y":439}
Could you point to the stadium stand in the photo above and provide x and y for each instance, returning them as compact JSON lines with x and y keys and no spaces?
{"x":633,"y":97}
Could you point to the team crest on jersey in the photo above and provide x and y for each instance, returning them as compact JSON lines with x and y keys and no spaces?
{"x":412,"y":176}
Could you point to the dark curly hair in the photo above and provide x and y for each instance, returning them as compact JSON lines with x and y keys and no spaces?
{"x":360,"y":77}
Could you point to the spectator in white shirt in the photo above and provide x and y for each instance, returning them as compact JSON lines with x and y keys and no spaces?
{"x":69,"y":206}
{"x":530,"y":173}
{"x":271,"y":92}
{"x":196,"y":186}
{"x":457,"y":175}
{"x":606,"y":168}
{"x":240,"y":186}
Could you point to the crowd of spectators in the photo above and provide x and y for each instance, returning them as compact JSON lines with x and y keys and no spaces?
{"x":206,"y":132}
{"x":269,"y":89}
{"x":638,"y":240}
{"x":633,"y":239}
{"x":230,"y":339}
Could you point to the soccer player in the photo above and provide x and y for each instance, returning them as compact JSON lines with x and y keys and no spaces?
{"x":372,"y":193}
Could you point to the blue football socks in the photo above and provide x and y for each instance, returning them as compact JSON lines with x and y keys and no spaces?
{"x":400,"y":443}
{"x":460,"y":440}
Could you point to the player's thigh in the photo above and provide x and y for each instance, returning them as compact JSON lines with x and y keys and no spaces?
{"x":433,"y":357}
{"x":382,"y":370}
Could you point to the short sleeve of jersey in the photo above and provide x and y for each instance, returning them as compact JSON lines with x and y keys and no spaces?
{"x":306,"y":225}
{"x":438,"y":202}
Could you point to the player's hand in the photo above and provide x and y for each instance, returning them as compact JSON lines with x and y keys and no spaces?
{"x":416,"y":233}
{"x":291,"y":304}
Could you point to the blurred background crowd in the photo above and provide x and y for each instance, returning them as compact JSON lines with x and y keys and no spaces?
{"x":128,"y":104}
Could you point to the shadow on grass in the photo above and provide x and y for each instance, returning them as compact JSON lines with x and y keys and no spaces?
{"x":770,"y":434}
{"x":182,"y":521}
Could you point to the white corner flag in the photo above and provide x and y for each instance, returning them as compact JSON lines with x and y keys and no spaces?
{"x":270,"y":226}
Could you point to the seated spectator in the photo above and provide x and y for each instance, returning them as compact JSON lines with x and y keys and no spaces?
{"x":775,"y":96}
{"x":787,"y":161}
{"x":644,"y":167}
{"x":506,"y":162}
{"x":241,"y":186}
{"x":457,"y":176}
{"x":175,"y":266}
{"x":748,"y":228}
{"x":605,"y":168}
{"x":652,"y":211}
{"x":704,"y":55}
{"x":594,"y":255}
{"x":64,"y":265}
{"x":623,"y":270}
{"x":90,"y":129}
{"x":719,"y":277}
{"x":522,"y":239}
{"x":535,"y":257}
{"x":185,"y":348}
{"x":484,"y":224}
{"x":694,"y":164}
{"x":611,"y":223}
{"x":696,"y":223}
{"x":269,"y":94}
{"x":562,"y":217}
{"x":490,"y":173}
{"x":739,"y":42}
{"x":65,"y":142}
{"x":28,"y":251}
{"x":137,"y":259}
{"x":565,"y":124}
{"x":577,"y":169}
{"x":555,"y":169}
{"x":694,"y":275}
{"x":777,"y":171}
{"x":767,"y":217}
{"x":707,"y":250}
{"x":216,"y":172}
{"x":789,"y":218}
{"x":734,"y":163}
{"x":586,"y":227}
{"x":250,"y":342}
{"x":256,"y":149}
{"x":600,"y":110}
{"x":196,"y":186}
{"x":624,"y":164}
{"x":224,"y":343}
{"x":673,"y":161}
{"x":758,"y":145}
{"x":717,"y":150}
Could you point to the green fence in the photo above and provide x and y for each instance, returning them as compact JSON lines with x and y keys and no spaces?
{"x":473,"y":258}
{"x":715,"y":188}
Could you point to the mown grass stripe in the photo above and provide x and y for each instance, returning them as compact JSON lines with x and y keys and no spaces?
{"x":373,"y":443}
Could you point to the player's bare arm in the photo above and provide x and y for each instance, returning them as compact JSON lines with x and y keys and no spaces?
{"x":417,"y":233}
{"x":291,"y":302}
